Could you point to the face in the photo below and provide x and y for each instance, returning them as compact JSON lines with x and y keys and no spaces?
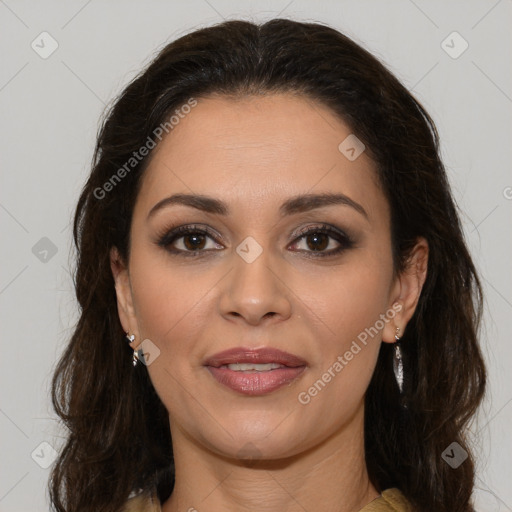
{"x":259,"y":268}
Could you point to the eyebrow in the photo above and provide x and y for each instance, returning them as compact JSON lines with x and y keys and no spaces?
{"x":296,"y":204}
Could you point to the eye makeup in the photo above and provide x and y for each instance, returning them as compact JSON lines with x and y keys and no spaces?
{"x":194,"y":237}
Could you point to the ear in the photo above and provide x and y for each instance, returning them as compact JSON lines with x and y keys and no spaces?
{"x":125,"y":307}
{"x":406,"y":290}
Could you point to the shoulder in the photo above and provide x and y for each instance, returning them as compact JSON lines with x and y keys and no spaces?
{"x":143,"y":502}
{"x":391,"y":500}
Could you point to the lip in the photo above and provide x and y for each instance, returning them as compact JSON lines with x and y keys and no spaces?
{"x":259,"y":355}
{"x":255,"y":382}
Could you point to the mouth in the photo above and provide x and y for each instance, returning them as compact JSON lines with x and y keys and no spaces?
{"x":255,"y":372}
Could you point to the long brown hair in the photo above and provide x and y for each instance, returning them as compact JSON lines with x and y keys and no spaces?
{"x":119,"y":437}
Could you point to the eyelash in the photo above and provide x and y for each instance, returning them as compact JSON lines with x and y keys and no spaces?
{"x":168,"y":237}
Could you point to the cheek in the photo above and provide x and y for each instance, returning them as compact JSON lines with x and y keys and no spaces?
{"x":166,"y":297}
{"x":171,"y":308}
{"x":352,"y":306}
{"x":352,"y":298}
{"x":172,"y":311}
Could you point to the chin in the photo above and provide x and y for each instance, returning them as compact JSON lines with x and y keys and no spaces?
{"x":264,"y":440}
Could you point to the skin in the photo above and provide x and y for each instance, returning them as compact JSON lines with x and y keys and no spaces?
{"x":272,"y":453}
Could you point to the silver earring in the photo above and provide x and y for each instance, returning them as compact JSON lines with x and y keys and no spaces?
{"x":137,"y":354}
{"x":398,"y":366}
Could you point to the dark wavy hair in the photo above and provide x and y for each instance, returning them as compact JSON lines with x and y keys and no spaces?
{"x":119,"y":437}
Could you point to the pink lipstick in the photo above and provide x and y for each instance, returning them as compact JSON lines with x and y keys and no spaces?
{"x":255,"y":371}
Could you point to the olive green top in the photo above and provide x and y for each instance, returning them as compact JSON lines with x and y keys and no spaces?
{"x":391,"y":500}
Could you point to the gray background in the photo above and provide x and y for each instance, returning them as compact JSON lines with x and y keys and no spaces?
{"x":50,"y":110}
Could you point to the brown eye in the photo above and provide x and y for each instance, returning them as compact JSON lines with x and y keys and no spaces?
{"x":194,"y":241}
{"x":318,"y":240}
{"x":189,"y":241}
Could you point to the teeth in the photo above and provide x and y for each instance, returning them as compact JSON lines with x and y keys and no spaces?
{"x":241,"y":367}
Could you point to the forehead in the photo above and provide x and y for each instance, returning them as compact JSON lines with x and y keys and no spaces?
{"x":256,"y":151}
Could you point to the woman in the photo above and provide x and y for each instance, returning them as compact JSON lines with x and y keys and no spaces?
{"x":278,"y":309}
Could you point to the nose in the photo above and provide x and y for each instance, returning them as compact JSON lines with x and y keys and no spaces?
{"x":256,"y":291}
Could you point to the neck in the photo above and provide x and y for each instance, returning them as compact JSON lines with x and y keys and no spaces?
{"x":331,"y":477}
